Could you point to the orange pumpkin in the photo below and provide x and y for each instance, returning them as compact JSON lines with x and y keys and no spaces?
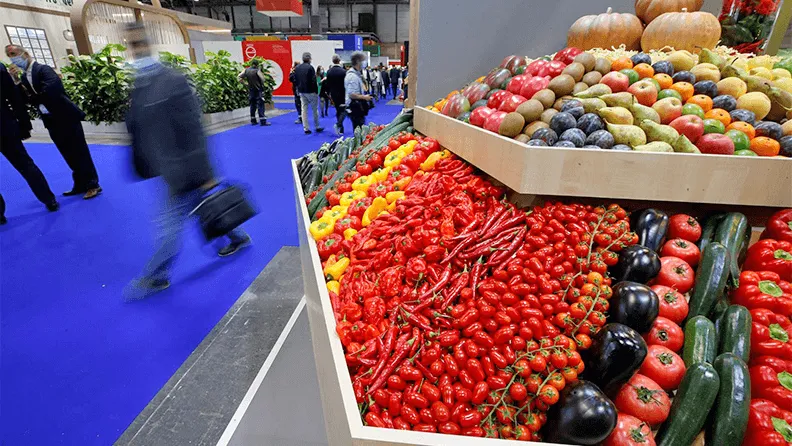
{"x":648,"y":10}
{"x":607,"y":30}
{"x":684,"y":30}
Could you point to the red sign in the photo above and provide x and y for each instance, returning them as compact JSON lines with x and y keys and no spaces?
{"x":280,"y":8}
{"x":280,"y":54}
{"x":299,"y":37}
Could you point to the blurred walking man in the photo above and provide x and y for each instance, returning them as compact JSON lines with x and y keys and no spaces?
{"x":164,"y":120}
{"x":254,"y":79}
{"x":334,"y":83}
{"x":309,"y":92}
{"x":62,"y":118}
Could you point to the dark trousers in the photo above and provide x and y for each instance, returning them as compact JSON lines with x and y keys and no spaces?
{"x":298,"y":104}
{"x":340,"y":116}
{"x":2,"y":207}
{"x":395,"y":88}
{"x":15,"y":153}
{"x":68,"y":136}
{"x":357,"y":120}
{"x":256,"y":103}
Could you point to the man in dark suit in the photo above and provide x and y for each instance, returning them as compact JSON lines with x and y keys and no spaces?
{"x":14,"y":127}
{"x":385,"y":81}
{"x":62,"y":118}
{"x":395,"y":75}
{"x":308,"y":89}
{"x":297,"y":103}
{"x":334,"y":82}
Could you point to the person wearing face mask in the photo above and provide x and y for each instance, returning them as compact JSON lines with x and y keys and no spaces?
{"x":62,"y":118}
{"x":168,"y":140}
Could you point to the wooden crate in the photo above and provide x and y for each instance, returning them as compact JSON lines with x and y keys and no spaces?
{"x":671,"y":177}
{"x":342,"y":419}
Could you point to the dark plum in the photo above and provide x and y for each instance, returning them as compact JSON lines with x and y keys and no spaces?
{"x":786,"y":146}
{"x":743,"y":115}
{"x":575,"y":136}
{"x":590,"y":123}
{"x":663,"y":66}
{"x":769,"y":129}
{"x":684,"y":76}
{"x":641,"y":58}
{"x":622,"y":148}
{"x":549,"y":136}
{"x":562,"y":122}
{"x":725,"y":102}
{"x":537,"y":142}
{"x":569,"y":144}
{"x":601,"y":138}
{"x":708,"y":88}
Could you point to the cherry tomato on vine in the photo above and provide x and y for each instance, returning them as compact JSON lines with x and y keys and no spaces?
{"x":548,"y":395}
{"x":518,"y":391}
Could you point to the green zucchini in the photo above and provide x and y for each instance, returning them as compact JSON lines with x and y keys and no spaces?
{"x":711,"y":278}
{"x":700,"y":342}
{"x":717,"y":315}
{"x":708,"y":230}
{"x":735,"y":333}
{"x":690,"y":408}
{"x":729,"y":415}
{"x":731,"y":234}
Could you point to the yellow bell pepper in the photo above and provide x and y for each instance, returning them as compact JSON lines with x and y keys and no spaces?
{"x":408,"y":147}
{"x":322,"y":228}
{"x":348,"y":197}
{"x":335,"y":214}
{"x":333,"y":286}
{"x":391,"y":207}
{"x":363,"y":183}
{"x":433,"y":159}
{"x":377,"y":206}
{"x":381,"y":174}
{"x":394,"y":158}
{"x":401,"y":184}
{"x":391,"y":197}
{"x":349,"y":233}
{"x":335,"y":268}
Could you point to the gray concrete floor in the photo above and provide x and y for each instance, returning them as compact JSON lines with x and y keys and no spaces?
{"x":196,"y":404}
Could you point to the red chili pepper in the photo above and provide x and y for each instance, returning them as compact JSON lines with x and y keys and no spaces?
{"x":779,"y":226}
{"x":764,"y":289}
{"x":770,"y":255}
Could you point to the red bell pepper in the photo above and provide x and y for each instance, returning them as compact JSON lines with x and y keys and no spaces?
{"x":764,"y":289}
{"x":771,"y":385}
{"x":350,"y":221}
{"x":777,"y":364}
{"x":567,"y":55}
{"x":768,"y":425}
{"x":329,"y":245}
{"x":359,"y":206}
{"x":770,"y":334}
{"x":779,"y":226}
{"x":770,"y":255}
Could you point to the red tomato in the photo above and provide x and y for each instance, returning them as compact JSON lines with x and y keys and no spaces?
{"x":394,"y":143}
{"x":675,"y":273}
{"x":403,"y":138}
{"x":375,"y":160}
{"x":685,"y":227}
{"x":673,"y":305}
{"x":644,"y":399}
{"x":630,"y":431}
{"x":663,"y":366}
{"x":364,"y":169}
{"x":666,"y":333}
{"x":685,"y":250}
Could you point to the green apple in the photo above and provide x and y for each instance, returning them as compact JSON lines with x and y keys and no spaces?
{"x":713,"y":125}
{"x":694,"y":109}
{"x":745,"y":153}
{"x":740,"y":139}
{"x":668,"y":93}
{"x":631,"y":74}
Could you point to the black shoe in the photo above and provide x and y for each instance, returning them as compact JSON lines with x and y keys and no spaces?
{"x":307,"y":132}
{"x":265,"y":123}
{"x":142,"y":288}
{"x":3,"y":220}
{"x":92,"y":193}
{"x":298,"y":121}
{"x":74,"y":191}
{"x":253,"y":122}
{"x":232,"y":248}
{"x":53,"y":206}
{"x":320,"y":130}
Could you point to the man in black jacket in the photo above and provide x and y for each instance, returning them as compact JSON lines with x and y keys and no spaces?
{"x":308,"y":89}
{"x":14,"y":127}
{"x":395,"y":74}
{"x":297,"y":103}
{"x":254,"y":79}
{"x":334,"y":83}
{"x":61,"y":117}
{"x":164,"y":120}
{"x":385,"y":81}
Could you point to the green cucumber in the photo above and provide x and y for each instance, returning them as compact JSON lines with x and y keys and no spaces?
{"x":690,"y":408}
{"x":711,"y":278}
{"x":729,"y":415}
{"x":700,"y":342}
{"x":717,"y":315}
{"x":731,"y":234}
{"x":708,"y":230}
{"x":735,"y":332}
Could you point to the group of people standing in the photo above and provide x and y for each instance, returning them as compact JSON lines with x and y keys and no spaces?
{"x":28,"y":83}
{"x":382,"y":82}
{"x":315,"y":89}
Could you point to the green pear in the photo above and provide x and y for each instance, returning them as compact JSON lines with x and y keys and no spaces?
{"x":624,"y":99}
{"x":616,"y":115}
{"x":659,"y":132}
{"x":654,"y":146}
{"x":707,"y":56}
{"x":732,"y":71}
{"x":632,"y":135}
{"x":591,"y":105}
{"x":641,"y":112}
{"x":757,"y":83}
{"x":683,"y":145}
{"x":594,"y":91}
{"x":780,"y":97}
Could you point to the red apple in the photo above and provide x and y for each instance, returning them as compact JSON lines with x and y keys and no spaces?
{"x":668,"y":109}
{"x":517,"y":82}
{"x":645,"y":92}
{"x":494,"y":120}
{"x":479,"y":115}
{"x":475,"y":91}
{"x":533,"y":85}
{"x":689,"y":125}
{"x":511,"y":103}
{"x":716,"y":144}
{"x":616,"y":81}
{"x":496,"y":99}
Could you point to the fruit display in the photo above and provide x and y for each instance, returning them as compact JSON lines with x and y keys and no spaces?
{"x":684,"y":103}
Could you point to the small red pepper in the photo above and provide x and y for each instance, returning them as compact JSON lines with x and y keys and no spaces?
{"x":764,"y":289}
{"x":768,"y":425}
{"x":777,"y":364}
{"x":770,"y":255}
{"x":771,"y":385}
{"x":359,"y":206}
{"x":349,"y":221}
{"x":779,"y":226}
{"x":329,"y":245}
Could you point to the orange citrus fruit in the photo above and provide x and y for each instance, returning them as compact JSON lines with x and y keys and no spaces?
{"x":685,"y":89}
{"x":644,"y":70}
{"x":703,"y":101}
{"x":764,"y":146}
{"x":744,"y":127}
{"x":621,"y":63}
{"x":664,"y":80}
{"x":717,"y":113}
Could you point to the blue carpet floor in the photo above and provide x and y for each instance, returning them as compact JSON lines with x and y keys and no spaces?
{"x":78,"y":364}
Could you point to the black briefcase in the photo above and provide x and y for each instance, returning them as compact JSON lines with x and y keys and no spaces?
{"x":223,"y":209}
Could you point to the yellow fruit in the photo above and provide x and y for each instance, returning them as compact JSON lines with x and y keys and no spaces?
{"x":787,"y":128}
{"x":762,"y":72}
{"x":784,"y":83}
{"x":733,"y":86}
{"x":682,"y":60}
{"x":756,"y":102}
{"x":706,"y":72}
{"x":760,"y":61}
{"x":779,"y":73}
{"x":739,"y":63}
